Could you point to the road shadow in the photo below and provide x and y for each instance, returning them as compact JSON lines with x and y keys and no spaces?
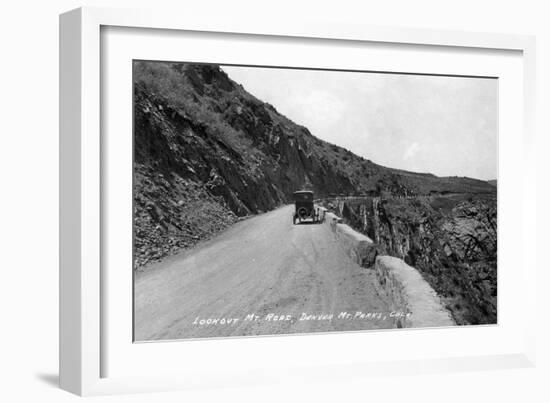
{"x":49,"y":379}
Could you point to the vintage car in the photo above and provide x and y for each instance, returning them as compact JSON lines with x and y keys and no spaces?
{"x":304,"y":208}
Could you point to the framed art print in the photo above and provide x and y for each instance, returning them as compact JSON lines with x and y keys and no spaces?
{"x":238,"y":197}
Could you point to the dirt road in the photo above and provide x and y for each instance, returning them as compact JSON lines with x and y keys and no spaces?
{"x":261,"y":269}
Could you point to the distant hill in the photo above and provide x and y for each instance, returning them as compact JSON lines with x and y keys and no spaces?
{"x":206,"y":151}
{"x":493,"y":182}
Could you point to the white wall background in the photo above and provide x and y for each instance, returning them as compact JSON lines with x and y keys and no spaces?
{"x":29,"y":201}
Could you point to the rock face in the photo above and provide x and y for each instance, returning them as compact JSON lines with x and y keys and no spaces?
{"x":451,"y":240}
{"x":172,"y":213}
{"x":207,"y":152}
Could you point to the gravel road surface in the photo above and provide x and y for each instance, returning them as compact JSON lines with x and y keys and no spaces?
{"x":261,"y":276}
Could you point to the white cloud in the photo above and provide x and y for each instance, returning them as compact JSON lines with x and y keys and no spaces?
{"x":411,"y":151}
{"x":317,"y":106}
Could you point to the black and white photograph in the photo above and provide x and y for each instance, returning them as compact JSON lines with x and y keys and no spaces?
{"x":273,"y":201}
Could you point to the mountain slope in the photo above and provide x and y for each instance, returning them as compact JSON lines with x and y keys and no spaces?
{"x":208,"y":152}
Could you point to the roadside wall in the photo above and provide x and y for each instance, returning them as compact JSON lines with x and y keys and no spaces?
{"x":409,"y":293}
{"x":357,"y":246}
{"x":406,"y":290}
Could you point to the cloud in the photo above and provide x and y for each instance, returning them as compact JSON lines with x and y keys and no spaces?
{"x":318,"y":106}
{"x":411,"y":151}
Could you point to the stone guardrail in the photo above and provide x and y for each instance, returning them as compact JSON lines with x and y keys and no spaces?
{"x":356,"y":245}
{"x":407,"y":291}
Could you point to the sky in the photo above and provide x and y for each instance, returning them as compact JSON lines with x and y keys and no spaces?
{"x":443,"y":125}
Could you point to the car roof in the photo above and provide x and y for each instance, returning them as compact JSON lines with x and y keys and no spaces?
{"x":303,"y":192}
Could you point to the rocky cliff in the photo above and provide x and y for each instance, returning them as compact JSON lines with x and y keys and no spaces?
{"x":450,"y":239}
{"x":207,"y":152}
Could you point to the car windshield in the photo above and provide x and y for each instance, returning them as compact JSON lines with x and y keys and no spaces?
{"x":304,"y":197}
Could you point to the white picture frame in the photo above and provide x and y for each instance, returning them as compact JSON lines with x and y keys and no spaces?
{"x":83,"y":309}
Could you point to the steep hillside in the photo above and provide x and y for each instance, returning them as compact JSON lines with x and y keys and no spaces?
{"x":208,"y":152}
